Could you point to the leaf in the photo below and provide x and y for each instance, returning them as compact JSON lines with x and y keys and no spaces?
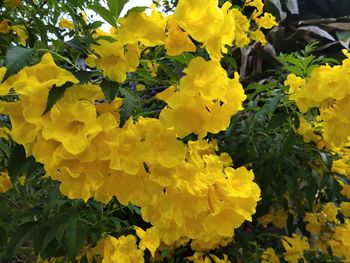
{"x":55,"y":94}
{"x":110,"y":89}
{"x":21,"y":234}
{"x":277,"y":121}
{"x":130,"y":103}
{"x":318,"y":31}
{"x":136,"y":9}
{"x":19,"y":164}
{"x":74,"y":237}
{"x":83,"y":76}
{"x":104,"y":13}
{"x":344,"y":38}
{"x":116,"y":6}
{"x":17,"y":58}
{"x":292,"y":6}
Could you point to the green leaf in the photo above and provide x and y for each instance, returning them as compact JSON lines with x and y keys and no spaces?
{"x":277,"y":121}
{"x":19,"y":164}
{"x":55,"y":94}
{"x":83,"y":76}
{"x":110,"y":89}
{"x":74,"y":237}
{"x":21,"y":234}
{"x":17,"y":58}
{"x":130,"y":104}
{"x":116,"y":6}
{"x":104,"y":13}
{"x":136,"y":9}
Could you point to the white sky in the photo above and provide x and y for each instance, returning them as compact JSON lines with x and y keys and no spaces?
{"x":129,"y":5}
{"x":133,"y":3}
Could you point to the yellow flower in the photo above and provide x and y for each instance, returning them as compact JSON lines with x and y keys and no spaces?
{"x":177,"y":41}
{"x":22,"y":33}
{"x":330,"y":212}
{"x":115,"y":60}
{"x":5,"y":182}
{"x":152,"y":68}
{"x":346,"y":190}
{"x":258,"y":36}
{"x":149,"y":239}
{"x":138,"y":27}
{"x":65,"y":23}
{"x":4,"y":26}
{"x":266,"y":21}
{"x":345,"y":208}
{"x":140,"y":87}
{"x":340,"y":242}
{"x":202,"y":22}
{"x":225,"y":35}
{"x":313,"y":224}
{"x":295,"y":247}
{"x":123,"y":249}
{"x":22,"y":180}
{"x":76,"y":117}
{"x":206,"y":100}
{"x":269,"y":256}
{"x":258,"y":5}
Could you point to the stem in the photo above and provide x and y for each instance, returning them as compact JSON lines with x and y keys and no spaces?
{"x":58,"y":55}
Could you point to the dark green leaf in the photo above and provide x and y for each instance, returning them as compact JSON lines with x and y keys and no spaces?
{"x":21,"y":234}
{"x":55,"y":94}
{"x":130,"y":103}
{"x":19,"y":164}
{"x":74,"y":237}
{"x":110,"y":89}
{"x":17,"y":58}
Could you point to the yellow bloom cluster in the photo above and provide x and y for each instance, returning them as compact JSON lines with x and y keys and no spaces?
{"x":329,"y":232}
{"x":227,"y":27}
{"x":340,"y":243}
{"x":205,"y":100}
{"x":276,"y":217}
{"x":199,"y":257}
{"x":269,"y":256}
{"x":5,"y":182}
{"x":184,"y":190}
{"x":326,"y":89}
{"x":295,"y":247}
{"x":20,"y":31}
{"x":122,"y":249}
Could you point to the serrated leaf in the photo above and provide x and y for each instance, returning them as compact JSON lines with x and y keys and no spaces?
{"x":116,"y":6}
{"x":74,"y":237}
{"x":83,"y":76}
{"x":55,"y":94}
{"x":17,"y":58}
{"x":104,"y":13}
{"x":110,"y":89}
{"x":19,"y":164}
{"x":130,"y":103}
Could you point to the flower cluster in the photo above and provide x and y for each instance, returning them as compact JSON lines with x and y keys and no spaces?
{"x":184,"y":190}
{"x":326,"y":89}
{"x":137,"y":31}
